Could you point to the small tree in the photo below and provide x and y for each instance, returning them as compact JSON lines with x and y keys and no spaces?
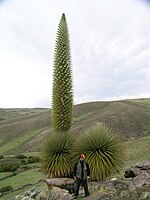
{"x":62,"y":97}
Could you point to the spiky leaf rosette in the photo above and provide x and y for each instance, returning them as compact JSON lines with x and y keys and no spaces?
{"x":102,"y":149}
{"x":56,"y":155}
{"x":62,"y":98}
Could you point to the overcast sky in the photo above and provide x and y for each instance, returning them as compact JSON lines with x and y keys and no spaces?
{"x":110,"y":47}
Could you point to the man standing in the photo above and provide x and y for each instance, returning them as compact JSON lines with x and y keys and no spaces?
{"x":81,"y":174}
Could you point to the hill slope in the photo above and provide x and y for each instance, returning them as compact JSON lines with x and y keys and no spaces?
{"x":22,"y":130}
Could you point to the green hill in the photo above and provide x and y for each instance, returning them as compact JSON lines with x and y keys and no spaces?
{"x":21,"y":130}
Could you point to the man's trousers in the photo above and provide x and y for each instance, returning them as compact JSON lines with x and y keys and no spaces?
{"x":84,"y":184}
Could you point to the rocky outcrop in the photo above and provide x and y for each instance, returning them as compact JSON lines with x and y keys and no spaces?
{"x":131,"y":172}
{"x":136,"y":185}
{"x":106,"y":190}
{"x":143,"y":165}
{"x":29,"y":195}
{"x":137,"y":169}
{"x":54,"y":193}
{"x":140,"y":174}
{"x":59,"y":182}
{"x":59,"y":194}
{"x":140,"y":181}
{"x":63,"y":183}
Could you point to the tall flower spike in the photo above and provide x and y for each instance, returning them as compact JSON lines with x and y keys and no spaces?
{"x":62,"y":98}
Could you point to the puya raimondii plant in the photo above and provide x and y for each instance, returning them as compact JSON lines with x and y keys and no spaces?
{"x":103,"y":151}
{"x":56,"y":150}
{"x":62,"y":97}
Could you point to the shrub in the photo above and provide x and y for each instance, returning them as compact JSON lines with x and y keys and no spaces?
{"x":33,"y":159}
{"x":14,"y":167}
{"x":1,"y":157}
{"x":103,"y":151}
{"x":23,"y":161}
{"x":56,"y":155}
{"x":25,"y":167}
{"x":14,"y":173}
{"x":8,"y":167}
{"x":6,"y":189}
{"x":20,"y":156}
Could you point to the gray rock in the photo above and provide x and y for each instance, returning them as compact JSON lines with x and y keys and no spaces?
{"x":18,"y":197}
{"x":59,"y":182}
{"x":128,"y":195}
{"x":26,"y":198}
{"x":140,"y":180}
{"x":32,"y":190}
{"x":138,"y":168}
{"x":34,"y":194}
{"x":63,"y":183}
{"x":59,"y":194}
{"x":114,"y":179}
{"x":100,"y":196}
{"x":107,"y":190}
{"x":131,"y":172}
{"x":115,"y":185}
{"x":27,"y":194}
{"x":109,"y":187}
{"x":143,"y":165}
{"x":42,"y":195}
{"x":145,"y":196}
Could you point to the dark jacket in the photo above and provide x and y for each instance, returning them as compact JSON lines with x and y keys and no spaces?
{"x":81,"y":170}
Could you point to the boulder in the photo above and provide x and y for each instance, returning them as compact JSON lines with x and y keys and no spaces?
{"x":59,"y":182}
{"x":57,"y":193}
{"x":28,"y":195}
{"x":109,"y":187}
{"x":100,"y":196}
{"x":145,"y":196}
{"x":18,"y":197}
{"x":43,"y":195}
{"x":136,"y":169}
{"x":63,"y":183}
{"x":140,"y":180}
{"x":143,"y":165}
{"x":106,"y":190}
{"x":131,"y":172}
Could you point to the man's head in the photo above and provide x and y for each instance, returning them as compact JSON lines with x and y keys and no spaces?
{"x":82,"y":156}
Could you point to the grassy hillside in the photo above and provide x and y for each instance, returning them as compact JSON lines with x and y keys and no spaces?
{"x":131,"y":117}
{"x":21,"y":130}
{"x":133,"y":150}
{"x":13,"y":113}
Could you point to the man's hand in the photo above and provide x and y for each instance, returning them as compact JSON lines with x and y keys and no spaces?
{"x":75,"y":177}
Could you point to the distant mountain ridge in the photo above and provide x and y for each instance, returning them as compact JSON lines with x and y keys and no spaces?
{"x":22,"y":129}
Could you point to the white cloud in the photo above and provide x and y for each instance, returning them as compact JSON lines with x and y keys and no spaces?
{"x":22,"y":82}
{"x":109,"y":44}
